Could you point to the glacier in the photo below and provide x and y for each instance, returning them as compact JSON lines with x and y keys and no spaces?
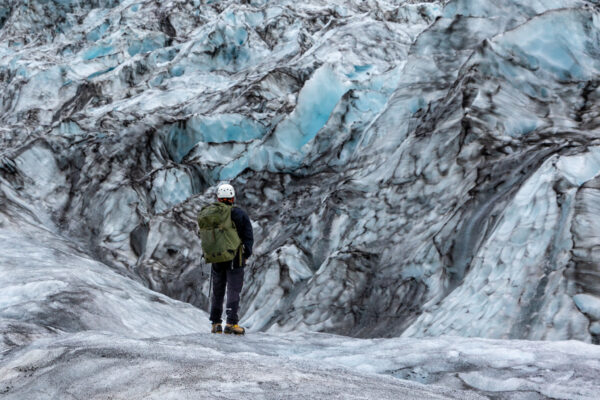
{"x":422,"y":177}
{"x":72,"y":327}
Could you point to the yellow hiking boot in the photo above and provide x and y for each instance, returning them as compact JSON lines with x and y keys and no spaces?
{"x":234,"y":328}
{"x":216,"y":328}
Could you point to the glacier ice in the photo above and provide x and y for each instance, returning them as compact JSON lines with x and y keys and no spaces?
{"x":589,"y":305}
{"x":412,"y":169}
{"x":143,"y":108}
{"x":51,"y":284}
{"x":189,"y":366}
{"x":73,"y":325}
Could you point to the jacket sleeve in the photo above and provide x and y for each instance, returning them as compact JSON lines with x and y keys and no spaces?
{"x":244,"y":229}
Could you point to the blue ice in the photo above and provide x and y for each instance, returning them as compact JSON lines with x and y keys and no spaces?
{"x":158,"y":80}
{"x":227,"y":128}
{"x":489,"y":9}
{"x":164,"y":55}
{"x":177,"y":70}
{"x":22,"y":71}
{"x":179,"y":142}
{"x":359,"y":69}
{"x":98,"y":51}
{"x":316,"y":101}
{"x":416,"y":104}
{"x":97,"y":33}
{"x":146,"y":45}
{"x":240,"y":35}
{"x":580,"y":168}
{"x":102,"y":72}
{"x":4,"y":13}
{"x":370,"y":101}
{"x":558,"y":42}
{"x":69,"y":128}
{"x":588,"y":304}
{"x":255,"y":18}
{"x":233,"y":169}
{"x":224,"y":45}
{"x":520,"y":126}
{"x":211,"y":129}
{"x":172,"y":187}
{"x":362,"y":68}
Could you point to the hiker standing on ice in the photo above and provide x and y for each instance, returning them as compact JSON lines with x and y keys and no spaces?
{"x":227,"y":240}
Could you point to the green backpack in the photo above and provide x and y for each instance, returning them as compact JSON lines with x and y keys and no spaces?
{"x":220,"y":240}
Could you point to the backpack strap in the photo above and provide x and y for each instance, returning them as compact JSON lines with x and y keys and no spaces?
{"x":241,"y":248}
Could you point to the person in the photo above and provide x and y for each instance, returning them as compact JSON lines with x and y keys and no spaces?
{"x":229,"y":276}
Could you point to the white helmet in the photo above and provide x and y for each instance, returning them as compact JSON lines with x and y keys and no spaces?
{"x":225,"y":191}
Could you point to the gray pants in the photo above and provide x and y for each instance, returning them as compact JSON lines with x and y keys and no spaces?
{"x":232,"y":279}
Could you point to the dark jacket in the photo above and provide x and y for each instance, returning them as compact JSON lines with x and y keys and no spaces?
{"x":244,"y":230}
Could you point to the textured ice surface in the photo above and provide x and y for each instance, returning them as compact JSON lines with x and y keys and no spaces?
{"x":298,"y":366}
{"x":411,"y":168}
{"x":69,"y":324}
{"x":189,"y":367}
{"x":49,"y":284}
